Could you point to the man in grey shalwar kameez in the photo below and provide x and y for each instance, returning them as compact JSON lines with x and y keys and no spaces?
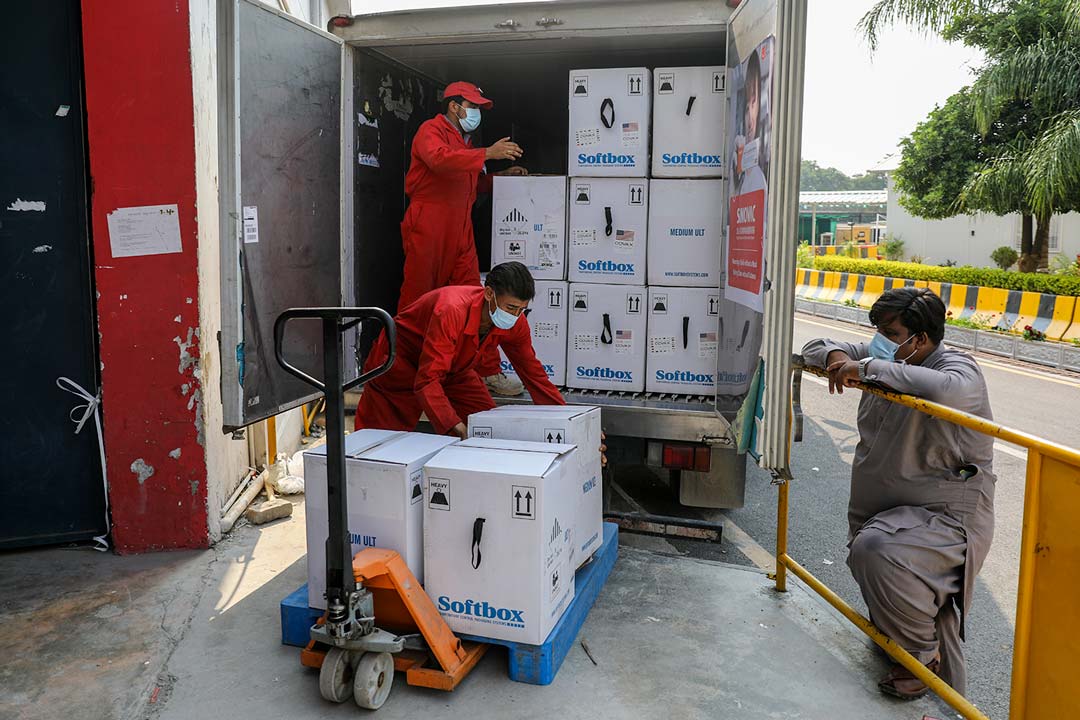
{"x":921,"y":513}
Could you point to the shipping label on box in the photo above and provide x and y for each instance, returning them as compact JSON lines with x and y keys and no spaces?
{"x":499,"y":535}
{"x":683,"y":340}
{"x":606,"y":337}
{"x":685,"y":232}
{"x":384,"y":494}
{"x":609,"y":220}
{"x":610,"y":120}
{"x":689,"y":115}
{"x":528,"y":223}
{"x":577,"y":425}
{"x":547,"y":323}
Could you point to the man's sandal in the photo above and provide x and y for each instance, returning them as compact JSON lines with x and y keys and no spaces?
{"x":902,"y":684}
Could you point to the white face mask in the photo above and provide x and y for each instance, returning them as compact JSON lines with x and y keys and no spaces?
{"x":502,"y":319}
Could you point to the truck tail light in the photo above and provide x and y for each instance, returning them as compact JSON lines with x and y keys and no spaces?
{"x":697,"y":458}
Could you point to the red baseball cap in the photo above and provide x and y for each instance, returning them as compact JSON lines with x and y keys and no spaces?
{"x":468,"y":91}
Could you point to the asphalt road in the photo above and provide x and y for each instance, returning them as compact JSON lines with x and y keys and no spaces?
{"x":1039,"y":402}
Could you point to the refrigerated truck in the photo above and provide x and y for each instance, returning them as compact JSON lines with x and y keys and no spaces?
{"x":394,"y":65}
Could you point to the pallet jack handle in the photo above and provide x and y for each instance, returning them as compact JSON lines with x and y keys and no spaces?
{"x":340,"y":583}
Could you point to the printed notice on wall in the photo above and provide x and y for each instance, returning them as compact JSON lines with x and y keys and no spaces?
{"x":251,"y":224}
{"x":146,"y":230}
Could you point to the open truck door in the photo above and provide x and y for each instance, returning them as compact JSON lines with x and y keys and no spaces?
{"x":766,"y":59}
{"x":283,"y":192}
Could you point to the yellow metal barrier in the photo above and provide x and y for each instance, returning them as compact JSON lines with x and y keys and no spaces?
{"x":1047,"y":634}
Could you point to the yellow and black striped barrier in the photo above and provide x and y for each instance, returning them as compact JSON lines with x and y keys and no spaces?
{"x":865,"y":252}
{"x":1058,"y":316}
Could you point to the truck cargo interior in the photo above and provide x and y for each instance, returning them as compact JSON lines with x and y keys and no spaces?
{"x":528,"y":81}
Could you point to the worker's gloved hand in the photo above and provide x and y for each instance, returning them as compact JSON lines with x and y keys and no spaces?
{"x":514,"y":170}
{"x":504,"y":149}
{"x":603,"y":449}
{"x":460,"y":430}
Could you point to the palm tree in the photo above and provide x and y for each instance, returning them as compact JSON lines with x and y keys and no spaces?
{"x":1045,"y":172}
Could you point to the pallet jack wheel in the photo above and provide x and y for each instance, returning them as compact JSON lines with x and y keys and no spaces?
{"x":336,"y":676}
{"x":372,"y":680}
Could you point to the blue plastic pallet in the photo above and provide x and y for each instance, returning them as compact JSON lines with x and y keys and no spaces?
{"x":534,"y":664}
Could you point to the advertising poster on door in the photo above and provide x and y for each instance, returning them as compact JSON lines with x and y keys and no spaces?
{"x":750,"y":123}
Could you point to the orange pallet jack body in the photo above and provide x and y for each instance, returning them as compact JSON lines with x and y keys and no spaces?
{"x":402,"y":605}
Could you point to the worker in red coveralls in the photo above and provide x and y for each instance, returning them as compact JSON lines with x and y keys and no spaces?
{"x":439,"y":338}
{"x":445,"y":174}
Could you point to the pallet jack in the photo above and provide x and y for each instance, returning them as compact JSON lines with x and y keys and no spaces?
{"x":355,"y":657}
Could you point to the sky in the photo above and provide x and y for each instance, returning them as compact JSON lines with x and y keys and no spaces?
{"x":857,"y":104}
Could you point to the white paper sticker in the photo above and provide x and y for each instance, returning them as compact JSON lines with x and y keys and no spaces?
{"x":707,"y":345}
{"x":631,"y":135}
{"x":514,"y":249}
{"x":624,"y":342}
{"x":586,"y":342}
{"x":251,"y":224}
{"x":661,"y":345}
{"x":63,"y":110}
{"x":583,"y":237}
{"x":624,"y":241}
{"x":545,"y":331}
{"x":748,"y":158}
{"x":587,"y":137}
{"x":146,"y":230}
{"x":548,"y":255}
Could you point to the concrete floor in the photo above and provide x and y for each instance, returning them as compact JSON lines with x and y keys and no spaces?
{"x":182,"y":635}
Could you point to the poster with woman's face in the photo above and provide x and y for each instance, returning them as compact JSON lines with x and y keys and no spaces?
{"x":750,"y":121}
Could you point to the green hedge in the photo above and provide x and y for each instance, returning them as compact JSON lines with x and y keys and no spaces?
{"x":966,"y":275}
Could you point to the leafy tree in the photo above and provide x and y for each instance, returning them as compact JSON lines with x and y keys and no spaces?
{"x":1025,"y":105}
{"x":814,"y":177}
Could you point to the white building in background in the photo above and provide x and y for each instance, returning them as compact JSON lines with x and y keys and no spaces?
{"x":969,"y":239}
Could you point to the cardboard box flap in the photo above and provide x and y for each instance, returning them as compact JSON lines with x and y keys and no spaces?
{"x":497,"y":459}
{"x":519,"y":446}
{"x":360,"y":441}
{"x":566,"y":412}
{"x":406,"y":448}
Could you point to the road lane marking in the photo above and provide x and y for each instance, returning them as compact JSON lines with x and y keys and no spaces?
{"x":749,"y":547}
{"x":979,"y":360}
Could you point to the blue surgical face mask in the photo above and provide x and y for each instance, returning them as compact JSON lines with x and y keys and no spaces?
{"x":471,"y":121}
{"x":502,"y":319}
{"x":882,"y":348}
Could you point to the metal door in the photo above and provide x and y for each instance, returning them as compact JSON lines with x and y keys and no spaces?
{"x":50,"y":476}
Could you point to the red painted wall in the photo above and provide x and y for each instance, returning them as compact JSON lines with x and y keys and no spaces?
{"x":142,"y":152}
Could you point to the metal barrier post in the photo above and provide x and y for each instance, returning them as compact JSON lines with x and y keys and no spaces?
{"x":1022,"y":633}
{"x":781,"y":535}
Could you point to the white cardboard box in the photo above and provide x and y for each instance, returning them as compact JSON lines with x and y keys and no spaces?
{"x":685,"y":232}
{"x":608,"y":234}
{"x":683,"y":340}
{"x":498,"y":531}
{"x":385,"y":498}
{"x":606,"y":337}
{"x":689,"y":112}
{"x":572,"y":424}
{"x":528,"y":223}
{"x":547,"y":323}
{"x":609,"y":122}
